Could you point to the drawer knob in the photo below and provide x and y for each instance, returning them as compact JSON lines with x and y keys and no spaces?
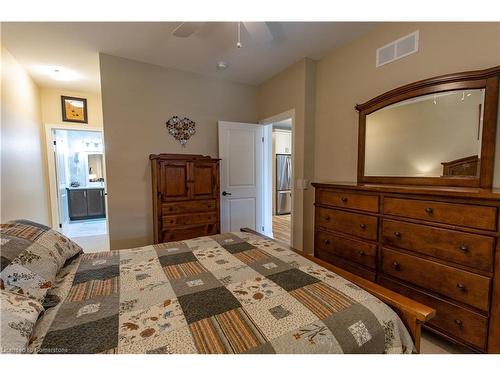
{"x":397,"y":234}
{"x":396,"y":265}
{"x":429,"y":210}
{"x":327,"y":242}
{"x":343,"y":199}
{"x":361,"y":253}
{"x":464,"y":248}
{"x":170,"y":209}
{"x":458,"y":322}
{"x":327,"y":218}
{"x":461,"y":287}
{"x":362,"y":226}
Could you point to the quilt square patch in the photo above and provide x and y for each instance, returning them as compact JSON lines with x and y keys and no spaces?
{"x":278,"y":315}
{"x":103,"y":273}
{"x":183,"y":270}
{"x":235,"y":248}
{"x":201,"y":305}
{"x":254,"y":290}
{"x":150,"y":322}
{"x":193,"y":284}
{"x":229,"y":332}
{"x":90,"y":337}
{"x":178,"y":258}
{"x":292,"y":279}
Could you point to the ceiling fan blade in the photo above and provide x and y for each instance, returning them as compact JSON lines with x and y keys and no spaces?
{"x":259,"y":31}
{"x":187,"y":29}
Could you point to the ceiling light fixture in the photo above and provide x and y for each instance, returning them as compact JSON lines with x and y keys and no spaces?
{"x":60,"y":74}
{"x":222,"y":65}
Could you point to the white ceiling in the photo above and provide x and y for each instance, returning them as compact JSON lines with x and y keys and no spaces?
{"x":76,"y":46}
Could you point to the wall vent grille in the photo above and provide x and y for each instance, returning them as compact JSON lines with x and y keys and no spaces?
{"x":398,"y":49}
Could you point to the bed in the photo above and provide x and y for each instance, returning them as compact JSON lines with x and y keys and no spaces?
{"x":230,"y":293}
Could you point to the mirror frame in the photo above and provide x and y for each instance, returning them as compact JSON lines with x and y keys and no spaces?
{"x":487,"y":79}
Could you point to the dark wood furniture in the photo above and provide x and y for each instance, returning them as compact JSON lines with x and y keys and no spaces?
{"x":86,"y":203}
{"x":437,"y":246}
{"x":186,"y":197}
{"x":412,"y":313}
{"x":469,"y":166}
{"x":434,"y":239}
{"x":487,"y":79}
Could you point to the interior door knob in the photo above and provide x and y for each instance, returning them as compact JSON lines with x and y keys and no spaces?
{"x":224,"y":193}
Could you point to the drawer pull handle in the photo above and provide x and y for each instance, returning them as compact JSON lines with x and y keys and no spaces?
{"x":464,"y":248}
{"x":397,"y":234}
{"x":429,"y":210}
{"x":461,"y":287}
{"x":327,"y":242}
{"x":362,"y":226}
{"x":343,"y":199}
{"x":458,"y":322}
{"x":361,"y":253}
{"x":396,"y":266}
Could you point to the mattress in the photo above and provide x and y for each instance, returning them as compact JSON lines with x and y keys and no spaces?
{"x":229,"y":293}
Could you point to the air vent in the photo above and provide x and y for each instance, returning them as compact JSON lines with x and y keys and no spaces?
{"x":398,"y":49}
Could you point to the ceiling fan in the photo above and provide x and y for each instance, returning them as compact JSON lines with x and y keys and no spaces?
{"x":259,"y":31}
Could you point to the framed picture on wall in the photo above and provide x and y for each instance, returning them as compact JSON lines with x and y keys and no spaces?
{"x":74,"y":109}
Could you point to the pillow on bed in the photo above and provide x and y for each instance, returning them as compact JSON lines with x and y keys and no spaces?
{"x":32,"y":254}
{"x":18,"y":315}
{"x":63,"y":247}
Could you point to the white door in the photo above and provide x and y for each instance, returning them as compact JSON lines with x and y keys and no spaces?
{"x":241,"y":150}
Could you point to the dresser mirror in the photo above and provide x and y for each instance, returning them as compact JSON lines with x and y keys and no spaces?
{"x":439,"y":131}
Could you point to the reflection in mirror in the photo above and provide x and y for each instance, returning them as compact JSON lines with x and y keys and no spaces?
{"x":428,"y":136}
{"x":95,"y":163}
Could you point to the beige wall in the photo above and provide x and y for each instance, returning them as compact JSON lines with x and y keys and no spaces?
{"x":24,"y":193}
{"x":137,"y":100}
{"x":52,"y":109}
{"x":293,"y":89}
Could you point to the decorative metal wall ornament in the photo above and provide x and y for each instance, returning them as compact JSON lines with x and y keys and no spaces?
{"x":181,"y":129}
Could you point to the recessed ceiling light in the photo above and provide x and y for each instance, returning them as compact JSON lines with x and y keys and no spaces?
{"x":221,"y":65}
{"x":60,"y":74}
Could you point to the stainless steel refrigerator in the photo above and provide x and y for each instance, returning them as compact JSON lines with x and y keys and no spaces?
{"x":283,"y":184}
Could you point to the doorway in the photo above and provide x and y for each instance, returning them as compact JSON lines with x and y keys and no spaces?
{"x":282,"y":180}
{"x":280,"y":162}
{"x":78,"y":189}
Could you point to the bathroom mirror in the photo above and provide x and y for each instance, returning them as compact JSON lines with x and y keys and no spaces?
{"x":434,"y":132}
{"x":95,"y":165}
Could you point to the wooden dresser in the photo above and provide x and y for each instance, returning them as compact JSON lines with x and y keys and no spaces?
{"x":185,"y":196}
{"x":439,"y":246}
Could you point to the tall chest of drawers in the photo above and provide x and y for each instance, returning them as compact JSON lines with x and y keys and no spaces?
{"x":439,"y":246}
{"x":186,"y":197}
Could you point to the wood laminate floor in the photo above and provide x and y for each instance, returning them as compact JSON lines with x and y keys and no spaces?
{"x":282,"y":228}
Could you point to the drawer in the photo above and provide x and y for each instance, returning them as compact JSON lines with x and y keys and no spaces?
{"x":345,"y":264}
{"x":472,"y":216}
{"x":349,"y":200}
{"x":360,"y":252}
{"x":188,"y":232}
{"x":459,"y":322}
{"x":359,"y":225}
{"x":463,"y":286}
{"x":189,"y":206}
{"x":467,"y":249}
{"x":190,"y":219}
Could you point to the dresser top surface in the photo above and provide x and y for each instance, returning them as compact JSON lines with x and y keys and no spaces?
{"x":492,"y":194}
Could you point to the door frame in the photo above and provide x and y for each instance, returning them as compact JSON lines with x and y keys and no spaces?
{"x":51,"y":167}
{"x":268,"y":122}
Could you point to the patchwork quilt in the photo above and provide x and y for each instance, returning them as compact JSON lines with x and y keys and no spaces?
{"x":229,"y":293}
